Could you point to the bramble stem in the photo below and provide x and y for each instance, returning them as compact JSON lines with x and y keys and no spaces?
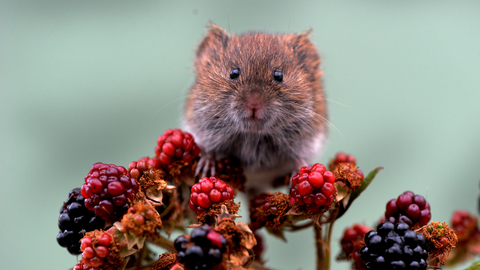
{"x":162,"y":242}
{"x":323,"y":236}
{"x":258,"y":266}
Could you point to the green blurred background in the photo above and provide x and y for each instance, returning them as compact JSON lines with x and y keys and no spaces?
{"x":88,"y":81}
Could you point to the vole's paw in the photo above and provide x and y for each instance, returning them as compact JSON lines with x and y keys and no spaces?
{"x":206,"y":165}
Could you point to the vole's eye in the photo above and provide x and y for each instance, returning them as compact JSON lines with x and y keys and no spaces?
{"x":234,"y":73}
{"x":278,"y":76}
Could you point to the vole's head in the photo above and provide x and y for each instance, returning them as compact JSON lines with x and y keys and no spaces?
{"x":255,"y":82}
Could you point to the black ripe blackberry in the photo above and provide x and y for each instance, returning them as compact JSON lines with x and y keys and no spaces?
{"x":74,"y":221}
{"x":394,"y":247}
{"x":201,"y":250}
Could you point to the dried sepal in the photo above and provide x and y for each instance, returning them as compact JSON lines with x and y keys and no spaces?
{"x":348,"y":174}
{"x":165,"y":261}
{"x":215,"y":210}
{"x":182,"y":172}
{"x":240,"y":241}
{"x":130,"y":243}
{"x":343,"y":193}
{"x":141,"y":220}
{"x":269,"y":210}
{"x":440,"y":240}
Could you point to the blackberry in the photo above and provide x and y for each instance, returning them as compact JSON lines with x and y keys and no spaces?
{"x":269,"y":210}
{"x":352,"y":237}
{"x":74,"y":221}
{"x":176,"y":145}
{"x":408,"y":208}
{"x":394,"y":247}
{"x":341,"y":158}
{"x":207,"y":191}
{"x":312,"y":189}
{"x":99,"y":249}
{"x":230,"y":171}
{"x":201,"y":250}
{"x":108,"y":190}
{"x":137,"y":168}
{"x":464,"y":224}
{"x":81,"y":266}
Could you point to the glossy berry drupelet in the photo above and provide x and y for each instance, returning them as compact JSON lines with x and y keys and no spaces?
{"x":408,"y":208}
{"x":108,"y":190}
{"x":74,"y":221}
{"x":94,"y":253}
{"x":176,"y":145}
{"x":137,"y":168}
{"x":207,"y":191}
{"x":394,"y":247}
{"x":313,"y":188}
{"x":201,"y":250}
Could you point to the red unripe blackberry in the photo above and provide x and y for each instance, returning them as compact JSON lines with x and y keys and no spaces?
{"x":94,"y":253}
{"x":408,"y":208}
{"x":137,"y":168}
{"x":464,"y":224}
{"x":82,"y":266}
{"x":229,"y":170}
{"x":108,"y":189}
{"x":344,"y":158}
{"x":353,"y":237}
{"x":209,"y":190}
{"x":341,"y":158}
{"x":312,"y":188}
{"x":176,"y":145}
{"x":74,"y":221}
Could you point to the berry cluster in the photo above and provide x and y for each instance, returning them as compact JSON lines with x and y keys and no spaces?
{"x":107,"y":191}
{"x":312,"y":189}
{"x":269,"y":210}
{"x":201,"y":250}
{"x":352,"y":241}
{"x":137,"y":168}
{"x":141,"y":220}
{"x":75,"y":219}
{"x":341,"y":158}
{"x":349,"y":175}
{"x":207,"y":191}
{"x":230,"y":171}
{"x":408,"y":208}
{"x":464,"y":224}
{"x":95,"y":252}
{"x":176,"y":145}
{"x":394,"y":247}
{"x":82,"y":266}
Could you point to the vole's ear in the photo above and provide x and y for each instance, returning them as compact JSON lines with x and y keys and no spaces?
{"x":216,"y":37}
{"x":301,"y":40}
{"x":306,"y":53}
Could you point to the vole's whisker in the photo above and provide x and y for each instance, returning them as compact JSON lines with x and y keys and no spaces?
{"x":326,"y":120}
{"x":339,"y":103}
{"x":158,"y":110}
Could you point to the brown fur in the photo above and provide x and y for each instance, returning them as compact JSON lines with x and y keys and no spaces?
{"x":292,"y":120}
